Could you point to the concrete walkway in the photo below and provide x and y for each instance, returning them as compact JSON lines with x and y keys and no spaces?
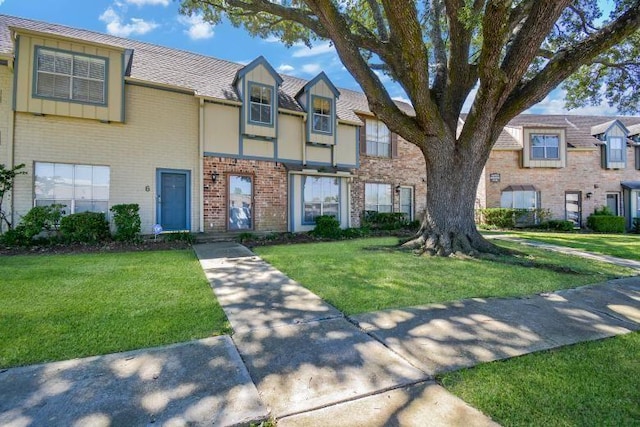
{"x":298,"y":359}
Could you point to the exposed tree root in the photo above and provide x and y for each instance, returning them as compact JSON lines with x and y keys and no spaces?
{"x":454,"y":243}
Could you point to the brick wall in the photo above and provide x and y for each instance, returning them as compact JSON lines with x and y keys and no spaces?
{"x":269,"y":193}
{"x":583,"y":173}
{"x":407,"y":169}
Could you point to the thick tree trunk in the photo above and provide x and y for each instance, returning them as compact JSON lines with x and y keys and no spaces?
{"x":449,"y":223}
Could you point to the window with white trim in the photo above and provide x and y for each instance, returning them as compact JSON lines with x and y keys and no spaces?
{"x":545,"y":146}
{"x":377,"y":197}
{"x":321,"y":196}
{"x":527,"y":199}
{"x":81,"y":188}
{"x":616,"y":149}
{"x":321,"y":114}
{"x":70,"y":76}
{"x":378,"y":139}
{"x":260,"y":104}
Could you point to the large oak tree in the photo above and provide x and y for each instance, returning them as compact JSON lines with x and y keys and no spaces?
{"x":513,"y":53}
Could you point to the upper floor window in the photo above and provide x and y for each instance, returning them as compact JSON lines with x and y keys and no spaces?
{"x":545,"y":146}
{"x":616,"y":149}
{"x":261,"y":101}
{"x":378,"y":139}
{"x":80,"y":188}
{"x":70,"y":76}
{"x":322,"y":114}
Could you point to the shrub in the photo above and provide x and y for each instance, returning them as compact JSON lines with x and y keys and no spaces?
{"x":34,"y":222}
{"x":127,"y":221}
{"x":635,"y":227}
{"x":603,"y":211}
{"x":327,"y":227}
{"x":180,"y":236}
{"x":510,"y":217}
{"x":559,"y":225}
{"x":245,"y":236}
{"x":606,"y":223}
{"x":384,"y":220}
{"x":355,"y":233}
{"x":85,"y":227}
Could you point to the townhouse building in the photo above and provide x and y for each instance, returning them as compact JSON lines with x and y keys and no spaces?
{"x":207,"y":145}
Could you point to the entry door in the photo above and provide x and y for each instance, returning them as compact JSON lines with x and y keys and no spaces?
{"x":173,"y":200}
{"x":613,"y":203}
{"x":573,"y":207}
{"x":406,"y":202}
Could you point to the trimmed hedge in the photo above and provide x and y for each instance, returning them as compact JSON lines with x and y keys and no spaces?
{"x":85,"y":227}
{"x":327,"y":227}
{"x":384,"y":220}
{"x":127,"y":221}
{"x":606,"y":223}
{"x":510,"y":217}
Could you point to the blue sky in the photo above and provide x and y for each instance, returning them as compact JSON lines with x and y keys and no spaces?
{"x":158,"y":21}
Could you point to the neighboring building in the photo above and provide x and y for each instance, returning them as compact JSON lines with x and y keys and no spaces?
{"x":207,"y":145}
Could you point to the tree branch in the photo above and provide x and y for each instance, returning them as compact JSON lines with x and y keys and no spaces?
{"x":383,"y":34}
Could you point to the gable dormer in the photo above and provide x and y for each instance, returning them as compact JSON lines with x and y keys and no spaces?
{"x":634,"y":135}
{"x":318,"y":98}
{"x":544,"y":146}
{"x":257,"y":84}
{"x":614,"y":135}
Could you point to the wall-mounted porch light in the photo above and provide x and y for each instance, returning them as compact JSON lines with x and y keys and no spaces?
{"x":589,"y":194}
{"x":214,"y":176}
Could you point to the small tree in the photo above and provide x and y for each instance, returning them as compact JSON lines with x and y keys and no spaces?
{"x":7,"y":177}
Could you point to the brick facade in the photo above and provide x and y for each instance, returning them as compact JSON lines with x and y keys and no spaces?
{"x":405,"y":169}
{"x":269,"y":193}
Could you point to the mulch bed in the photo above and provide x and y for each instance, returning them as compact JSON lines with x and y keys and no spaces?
{"x":104,"y":247}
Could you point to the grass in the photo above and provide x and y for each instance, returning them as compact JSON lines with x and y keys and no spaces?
{"x":358,"y":276}
{"x":594,"y":383}
{"x":58,"y":307}
{"x":618,"y":245}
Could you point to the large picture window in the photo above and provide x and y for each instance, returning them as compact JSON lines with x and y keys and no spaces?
{"x":261,"y":99}
{"x":321,"y":114}
{"x":378,"y":139}
{"x":377,"y":197}
{"x":240,"y":202}
{"x":70,"y":76}
{"x":81,"y":188}
{"x":321,"y":196}
{"x":545,"y":147}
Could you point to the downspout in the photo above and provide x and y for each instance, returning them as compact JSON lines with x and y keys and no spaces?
{"x":201,"y":167}
{"x":11,"y":154}
{"x":304,"y":140}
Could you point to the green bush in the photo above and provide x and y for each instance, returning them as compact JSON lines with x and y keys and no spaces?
{"x":606,"y":223}
{"x":127,"y":221}
{"x":15,"y":237}
{"x":355,"y":233}
{"x":635,"y":227}
{"x":603,"y":211}
{"x":180,"y":236}
{"x":327,"y":227}
{"x":558,"y":225}
{"x":510,"y":218}
{"x":85,"y":227}
{"x":34,"y":222}
{"x":384,"y":220}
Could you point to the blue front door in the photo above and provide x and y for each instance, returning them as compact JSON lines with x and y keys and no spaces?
{"x":173,"y":199}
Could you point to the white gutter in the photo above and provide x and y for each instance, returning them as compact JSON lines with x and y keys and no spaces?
{"x":201,"y":167}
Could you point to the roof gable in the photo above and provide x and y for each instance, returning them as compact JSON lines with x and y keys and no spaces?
{"x":255,"y":63}
{"x":320,"y":77}
{"x":607,"y":126}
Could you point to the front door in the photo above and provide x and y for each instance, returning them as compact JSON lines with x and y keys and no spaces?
{"x":173,"y":199}
{"x":613,"y":203}
{"x":573,"y":207}
{"x":406,"y":202}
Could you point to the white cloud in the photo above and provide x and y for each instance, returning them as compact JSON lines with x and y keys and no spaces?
{"x":311,"y":68}
{"x":197,"y":28}
{"x":116,"y":26}
{"x":149,"y":2}
{"x":285,"y":68}
{"x":1,"y":1}
{"x":320,"y":49}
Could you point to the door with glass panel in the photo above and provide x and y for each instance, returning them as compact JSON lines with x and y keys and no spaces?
{"x":613,"y":203}
{"x":573,"y":207}
{"x":406,"y":202}
{"x":240,"y":202}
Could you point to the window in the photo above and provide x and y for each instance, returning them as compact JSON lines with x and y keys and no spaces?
{"x":616,"y":149}
{"x":545,"y":146}
{"x":377,"y":197}
{"x":261,"y":100}
{"x":80,"y":188}
{"x":321,"y":196}
{"x":519,"y":199}
{"x":378,"y":139}
{"x":240,"y":202}
{"x":321,"y":114}
{"x":69,"y":76}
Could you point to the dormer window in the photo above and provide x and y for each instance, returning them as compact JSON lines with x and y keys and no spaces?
{"x":545,"y":146}
{"x":322,"y":114}
{"x":616,"y":149}
{"x":69,"y":76}
{"x":261,"y":100}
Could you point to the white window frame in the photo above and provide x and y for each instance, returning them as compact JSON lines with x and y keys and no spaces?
{"x":514,"y":199}
{"x":319,"y":205}
{"x":75,"y":192}
{"x":619,"y":150}
{"x":74,"y":91}
{"x":263,"y":103}
{"x":378,"y":139}
{"x":369,"y":189}
{"x":322,"y":116}
{"x":545,"y":146}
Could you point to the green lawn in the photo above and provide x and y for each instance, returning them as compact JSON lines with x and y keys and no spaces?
{"x":594,"y":383}
{"x":618,"y":245}
{"x":358,"y":276}
{"x":57,"y":307}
